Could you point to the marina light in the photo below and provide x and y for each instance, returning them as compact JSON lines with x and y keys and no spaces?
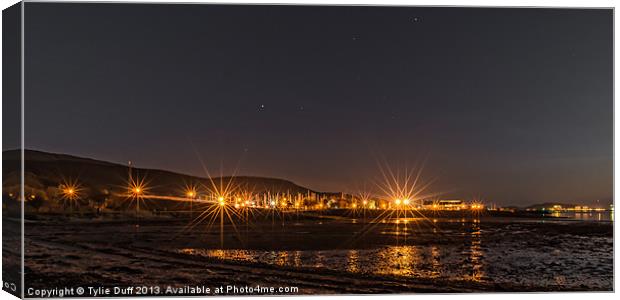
{"x":406,"y":201}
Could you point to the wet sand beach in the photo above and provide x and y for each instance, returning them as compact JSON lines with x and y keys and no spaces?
{"x":326,"y":256}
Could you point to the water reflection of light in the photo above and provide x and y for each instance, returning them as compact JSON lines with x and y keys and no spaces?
{"x":406,"y":260}
{"x":297,"y":262}
{"x":435,"y":262}
{"x":475,"y":253}
{"x":243,"y":255}
{"x":597,"y":216}
{"x":230,"y":254}
{"x":397,"y":260}
{"x":352,"y":261}
{"x":281,"y":258}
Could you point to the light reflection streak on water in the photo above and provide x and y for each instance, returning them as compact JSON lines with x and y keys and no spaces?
{"x":435,"y":262}
{"x":352,"y":262}
{"x":476,"y":252}
{"x":297,"y":258}
{"x":397,"y":260}
{"x":458,"y":252}
{"x":280,"y":258}
{"x":405,"y":260}
{"x":401,"y":259}
{"x":600,"y":216}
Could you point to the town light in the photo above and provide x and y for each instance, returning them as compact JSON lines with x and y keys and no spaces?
{"x":70,"y":190}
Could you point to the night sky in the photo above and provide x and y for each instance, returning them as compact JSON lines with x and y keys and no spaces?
{"x":511,"y":105}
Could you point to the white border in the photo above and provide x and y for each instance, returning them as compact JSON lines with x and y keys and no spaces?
{"x":506,"y":3}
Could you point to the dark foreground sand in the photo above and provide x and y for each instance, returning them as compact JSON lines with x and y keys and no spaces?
{"x":324,"y":256}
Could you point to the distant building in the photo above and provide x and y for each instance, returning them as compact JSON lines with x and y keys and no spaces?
{"x":444,"y":204}
{"x":451,"y":204}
